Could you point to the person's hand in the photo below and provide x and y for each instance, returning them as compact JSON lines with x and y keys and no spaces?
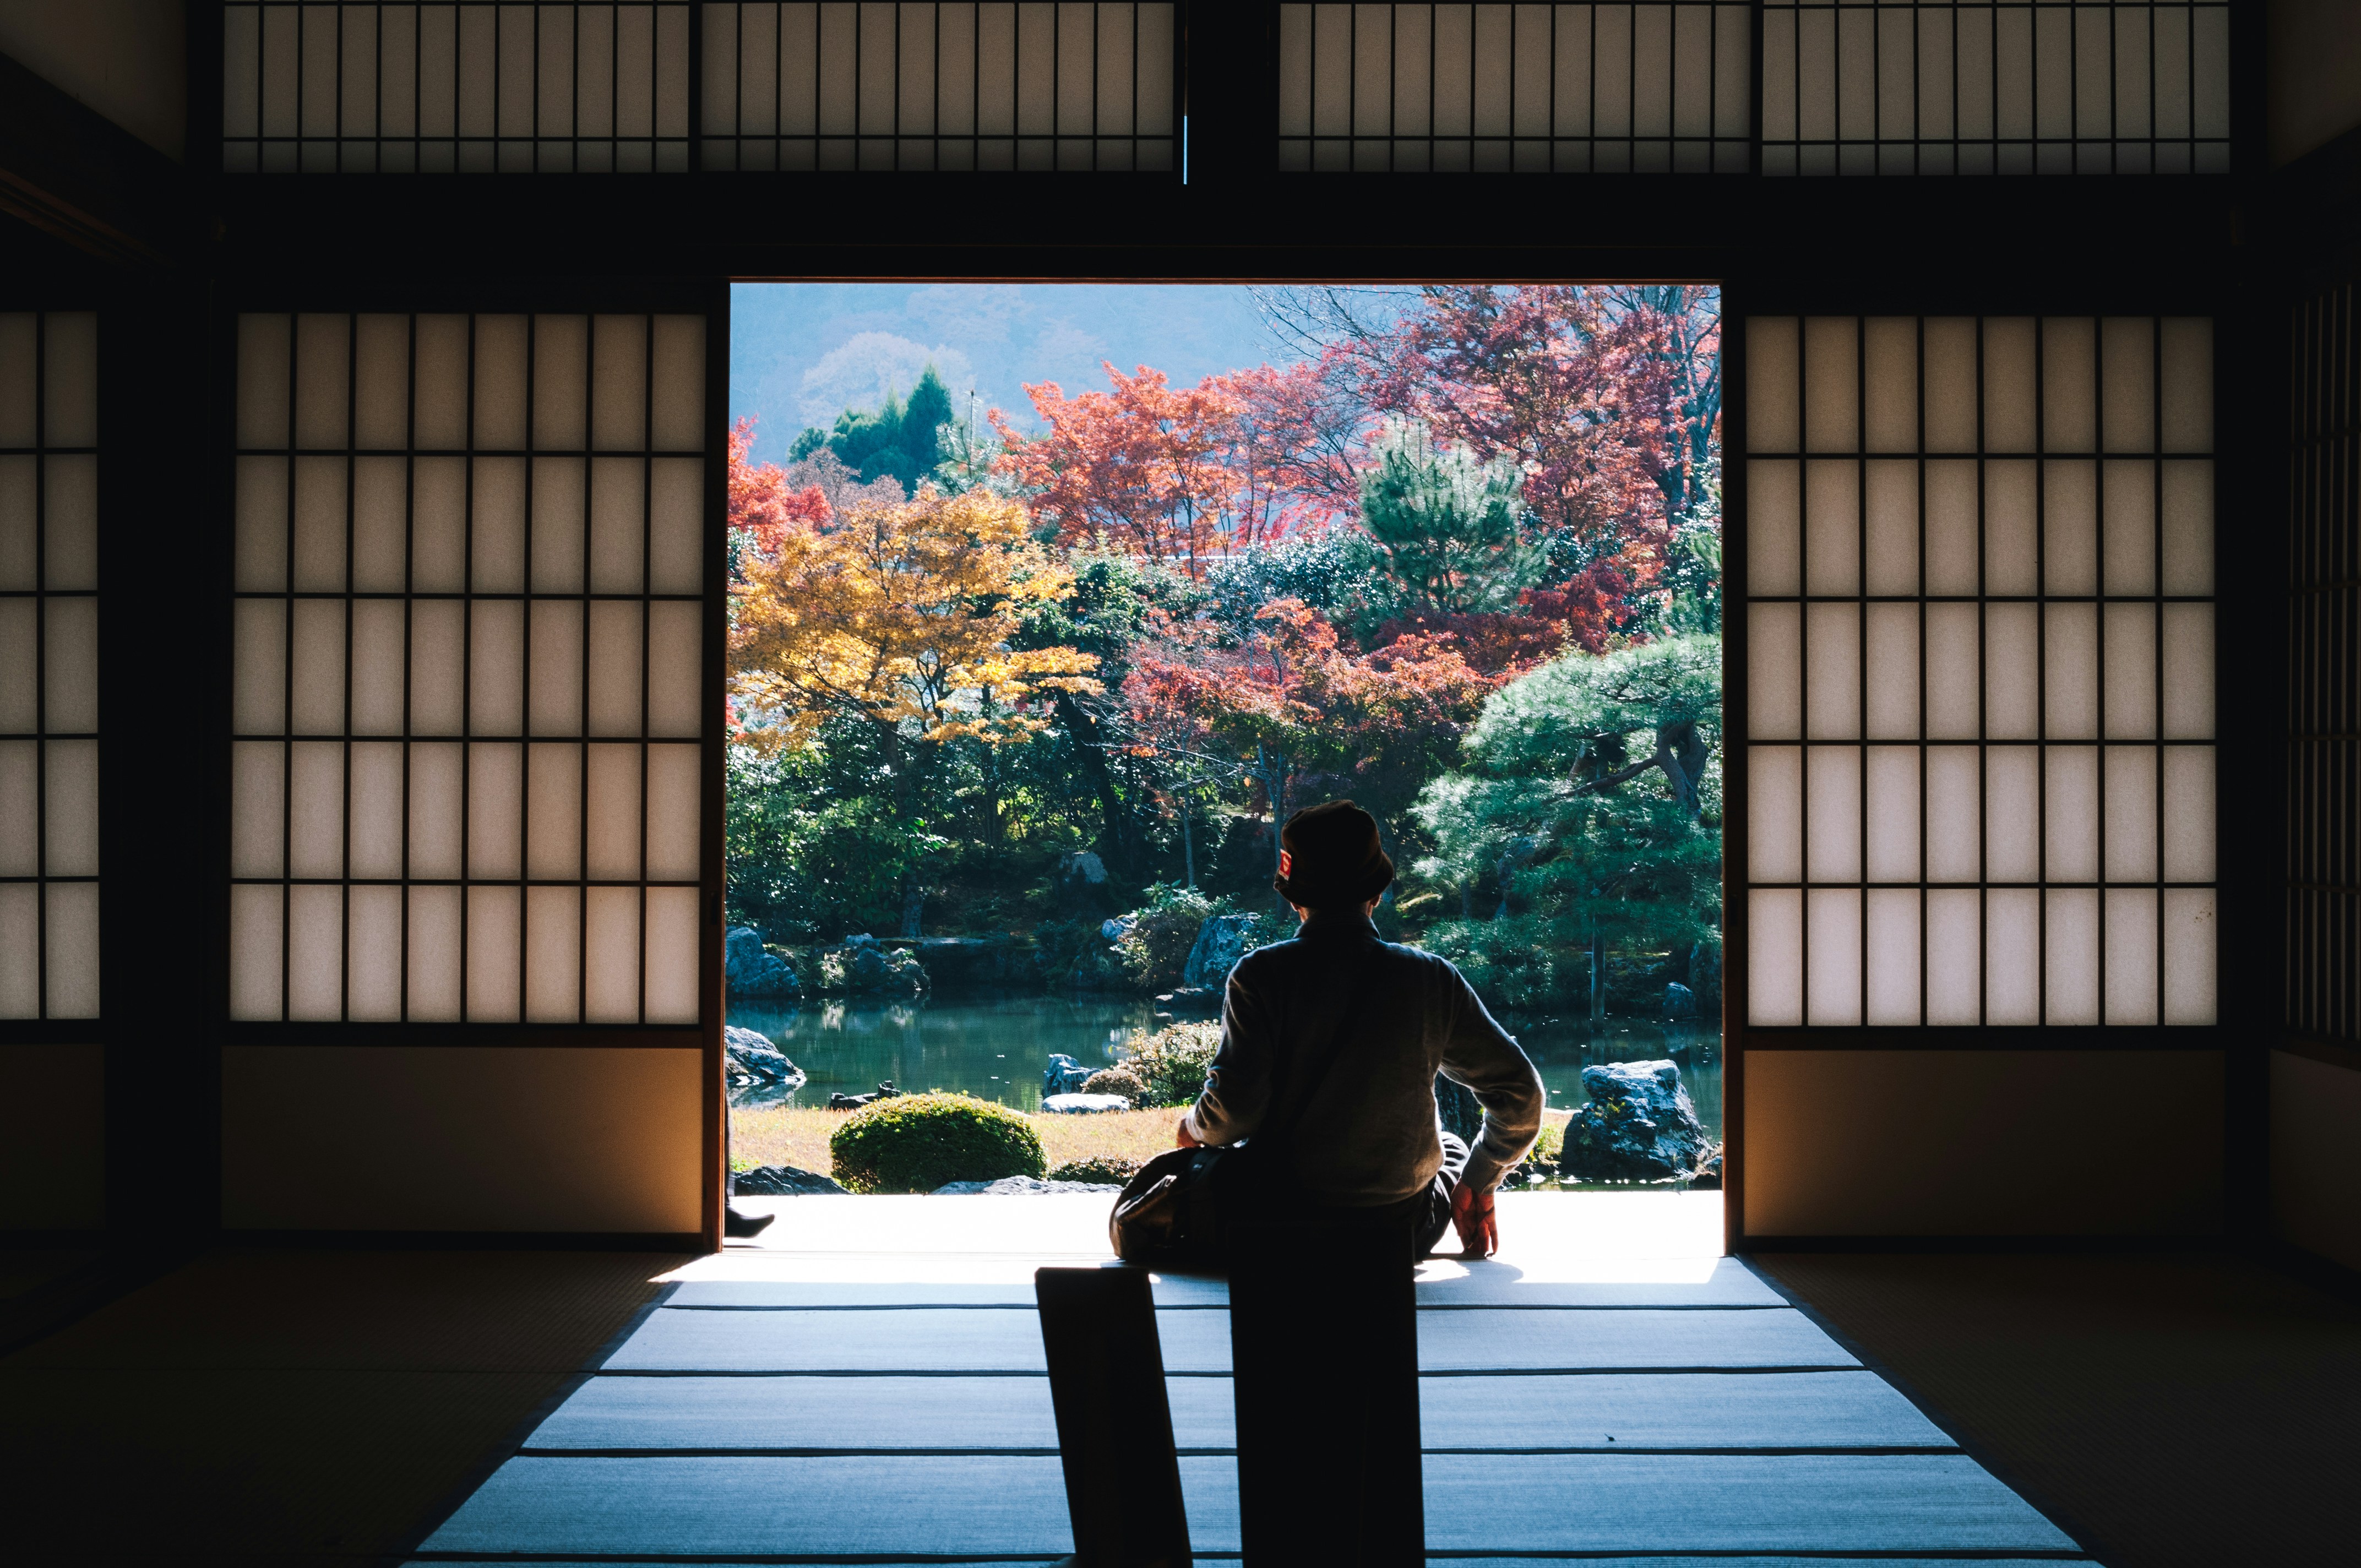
{"x":1472,"y":1216}
{"x":1182,"y":1138}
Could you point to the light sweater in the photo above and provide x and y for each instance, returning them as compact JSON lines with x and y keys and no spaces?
{"x":1369,"y":1134}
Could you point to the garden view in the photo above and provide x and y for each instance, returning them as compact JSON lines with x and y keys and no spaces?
{"x":1040,"y":628}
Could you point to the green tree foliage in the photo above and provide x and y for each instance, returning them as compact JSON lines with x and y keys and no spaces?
{"x":1443,"y":526}
{"x":916,"y":1142}
{"x":899,"y":441}
{"x":1589,"y":815}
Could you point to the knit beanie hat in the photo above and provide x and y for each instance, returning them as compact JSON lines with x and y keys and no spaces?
{"x":1329,"y":858}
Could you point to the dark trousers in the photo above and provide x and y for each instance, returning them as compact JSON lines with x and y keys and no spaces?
{"x":1431,"y":1209}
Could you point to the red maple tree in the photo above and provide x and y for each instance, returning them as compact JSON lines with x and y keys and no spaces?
{"x":762,"y":500}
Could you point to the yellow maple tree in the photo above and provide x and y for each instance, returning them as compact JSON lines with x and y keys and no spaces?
{"x":903,"y":617}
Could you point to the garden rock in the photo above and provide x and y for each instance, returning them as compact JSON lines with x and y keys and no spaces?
{"x":865,"y":966}
{"x":1680,"y":1002}
{"x":1064,"y":1076}
{"x":1705,"y":972}
{"x":885,"y":1090}
{"x":1456,"y":1103}
{"x":1116,"y":929}
{"x":751,"y":970}
{"x":1081,"y":886}
{"x":1639,"y":1126}
{"x":1083,"y":1105}
{"x":784,"y":1181}
{"x":753,"y":1060}
{"x":1194,"y":1000}
{"x":1222,"y":941}
{"x":976,"y":963}
{"x":1009,"y":1186}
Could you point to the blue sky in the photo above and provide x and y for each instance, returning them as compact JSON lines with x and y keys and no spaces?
{"x":801,"y":352}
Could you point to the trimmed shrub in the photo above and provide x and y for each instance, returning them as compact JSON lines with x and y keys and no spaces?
{"x":1102,"y":1168}
{"x":1172,"y":1061}
{"x":1155,"y":950}
{"x":1117,"y":1081}
{"x":916,"y":1142}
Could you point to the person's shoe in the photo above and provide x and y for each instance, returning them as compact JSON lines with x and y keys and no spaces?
{"x":738,"y":1224}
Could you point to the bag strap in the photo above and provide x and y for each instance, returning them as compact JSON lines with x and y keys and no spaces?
{"x":1277,"y":1134}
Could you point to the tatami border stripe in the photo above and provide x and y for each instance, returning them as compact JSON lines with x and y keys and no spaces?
{"x":1224,"y":1306}
{"x":1852,"y":1451}
{"x":1170,"y":1372}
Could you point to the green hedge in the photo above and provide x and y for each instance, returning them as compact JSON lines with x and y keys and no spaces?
{"x":916,"y":1142}
{"x":1104,"y":1169}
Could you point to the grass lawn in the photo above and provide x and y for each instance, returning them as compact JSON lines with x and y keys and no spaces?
{"x":779,"y":1135}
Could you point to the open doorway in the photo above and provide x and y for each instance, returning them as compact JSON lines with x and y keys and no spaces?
{"x":1050,"y":601}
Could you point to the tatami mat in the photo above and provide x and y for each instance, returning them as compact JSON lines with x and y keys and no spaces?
{"x":2185,"y":1409}
{"x":1606,"y":1387}
{"x":260,"y":1406}
{"x":1817,"y":1409}
{"x":1008,"y":1340}
{"x":982,"y":1503}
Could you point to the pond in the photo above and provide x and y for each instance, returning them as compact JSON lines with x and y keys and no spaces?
{"x":995,"y":1048}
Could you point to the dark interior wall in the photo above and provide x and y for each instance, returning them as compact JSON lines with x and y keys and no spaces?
{"x":1983,"y":1142}
{"x":52,"y":1137}
{"x":2315,"y":81}
{"x":127,"y":59}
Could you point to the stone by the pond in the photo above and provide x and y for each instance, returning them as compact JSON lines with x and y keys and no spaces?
{"x":1222,"y":941}
{"x":863,"y":965}
{"x":1118,"y":928}
{"x":1192,"y":1000}
{"x":885,"y":1090}
{"x":751,"y":970}
{"x":1680,"y":1002}
{"x":1085,"y":1105}
{"x":1639,"y":1126}
{"x":1456,"y":1103}
{"x":1082,"y":888}
{"x":784,"y":1181}
{"x":1064,"y":1075}
{"x":1009,"y":1185}
{"x":977,"y":963}
{"x":753,"y":1060}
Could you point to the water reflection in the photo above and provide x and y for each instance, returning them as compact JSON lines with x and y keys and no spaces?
{"x":994,"y":1047}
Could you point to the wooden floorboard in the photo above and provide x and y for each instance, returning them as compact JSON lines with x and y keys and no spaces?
{"x":1491,"y":1503}
{"x":954,"y":1341}
{"x":1813,"y":1409}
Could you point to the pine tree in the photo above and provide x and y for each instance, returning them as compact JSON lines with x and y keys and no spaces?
{"x":1558,"y":818}
{"x":1444,"y":526}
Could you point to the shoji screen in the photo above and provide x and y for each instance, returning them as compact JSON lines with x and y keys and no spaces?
{"x":49,"y":665}
{"x":1589,"y":89}
{"x":1979,"y":655}
{"x":2315,"y":1080}
{"x":472,"y":87}
{"x":468,"y":678}
{"x":2323,"y":981}
{"x":1996,"y":87}
{"x":940,"y":86}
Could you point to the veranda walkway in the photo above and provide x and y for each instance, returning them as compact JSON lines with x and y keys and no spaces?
{"x":868,"y":1386}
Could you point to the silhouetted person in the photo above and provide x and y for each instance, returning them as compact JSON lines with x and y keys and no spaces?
{"x":1366,"y":1135}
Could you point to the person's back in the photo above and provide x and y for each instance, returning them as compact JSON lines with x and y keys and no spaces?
{"x":1338,"y":1035}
